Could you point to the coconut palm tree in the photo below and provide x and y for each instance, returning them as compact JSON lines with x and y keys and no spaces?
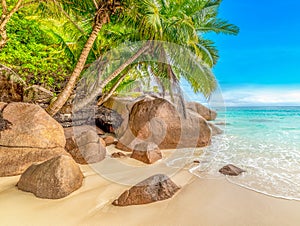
{"x":100,"y":12}
{"x":176,"y":21}
{"x":183,"y":23}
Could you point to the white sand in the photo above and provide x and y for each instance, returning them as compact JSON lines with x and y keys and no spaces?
{"x":199,"y":202}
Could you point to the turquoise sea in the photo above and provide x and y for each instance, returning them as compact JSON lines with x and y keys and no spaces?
{"x":265,"y":141}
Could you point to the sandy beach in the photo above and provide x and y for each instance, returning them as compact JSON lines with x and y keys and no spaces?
{"x":199,"y":202}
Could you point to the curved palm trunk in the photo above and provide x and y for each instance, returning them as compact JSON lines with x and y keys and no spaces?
{"x":67,"y":91}
{"x":106,"y":96}
{"x":90,"y":97}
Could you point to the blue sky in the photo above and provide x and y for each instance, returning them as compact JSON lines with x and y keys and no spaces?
{"x":260,"y":66}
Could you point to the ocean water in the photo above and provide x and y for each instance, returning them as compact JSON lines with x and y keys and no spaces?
{"x":265,"y":141}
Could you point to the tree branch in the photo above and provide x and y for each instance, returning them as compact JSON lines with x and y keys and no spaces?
{"x":96,"y":4}
{"x":9,"y":15}
{"x":4,"y":8}
{"x":107,"y":95}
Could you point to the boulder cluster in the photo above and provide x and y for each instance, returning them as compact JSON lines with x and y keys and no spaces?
{"x":48,"y":156}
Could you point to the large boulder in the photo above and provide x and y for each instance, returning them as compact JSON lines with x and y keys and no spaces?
{"x":31,"y":127}
{"x":205,"y":112}
{"x":30,"y":136}
{"x":84,"y":144}
{"x":146,"y":152}
{"x":156,"y":120}
{"x":155,"y":188}
{"x":53,"y":179}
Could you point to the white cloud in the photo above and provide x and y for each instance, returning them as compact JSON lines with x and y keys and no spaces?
{"x":255,"y":96}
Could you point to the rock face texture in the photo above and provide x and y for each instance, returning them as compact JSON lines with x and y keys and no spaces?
{"x":9,"y":90}
{"x":84,"y":144}
{"x":231,"y":170}
{"x":205,"y":112}
{"x":146,"y":152}
{"x":53,"y":179}
{"x":2,"y":106}
{"x":31,"y":127}
{"x":32,"y":136}
{"x":37,"y":94}
{"x":156,"y":120}
{"x":155,"y":188}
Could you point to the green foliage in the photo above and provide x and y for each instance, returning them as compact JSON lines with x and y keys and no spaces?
{"x":34,"y":54}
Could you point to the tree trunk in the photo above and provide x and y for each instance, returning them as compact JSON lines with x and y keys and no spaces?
{"x":5,"y":17}
{"x":106,"y":96}
{"x":90,"y":97}
{"x":4,"y":38}
{"x":67,"y":91}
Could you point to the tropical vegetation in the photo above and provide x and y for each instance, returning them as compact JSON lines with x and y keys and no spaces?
{"x":47,"y":42}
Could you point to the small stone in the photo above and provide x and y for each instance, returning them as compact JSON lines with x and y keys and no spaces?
{"x":86,"y":146}
{"x":146,"y":152}
{"x":231,"y":170}
{"x":109,"y":140}
{"x":118,"y":155}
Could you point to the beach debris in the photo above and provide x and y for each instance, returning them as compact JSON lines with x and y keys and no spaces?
{"x":33,"y":137}
{"x":118,"y":155}
{"x":158,"y":121}
{"x":155,"y":188}
{"x":146,"y":152}
{"x":84,"y":144}
{"x":109,"y":140}
{"x":196,"y":161}
{"x":205,"y":112}
{"x":53,"y":179}
{"x":215,"y":130}
{"x":231,"y":170}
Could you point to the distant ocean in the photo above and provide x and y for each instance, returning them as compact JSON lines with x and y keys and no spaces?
{"x":265,"y":141}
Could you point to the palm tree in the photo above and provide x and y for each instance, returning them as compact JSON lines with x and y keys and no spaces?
{"x":183,"y":23}
{"x":177,"y":21}
{"x":100,"y":12}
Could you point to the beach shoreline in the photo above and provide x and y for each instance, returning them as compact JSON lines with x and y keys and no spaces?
{"x":198,"y":202}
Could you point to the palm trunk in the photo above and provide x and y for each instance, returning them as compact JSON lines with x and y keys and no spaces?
{"x":4,"y":38}
{"x":125,"y":65}
{"x":90,"y":97}
{"x":67,"y":91}
{"x":106,"y":96}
